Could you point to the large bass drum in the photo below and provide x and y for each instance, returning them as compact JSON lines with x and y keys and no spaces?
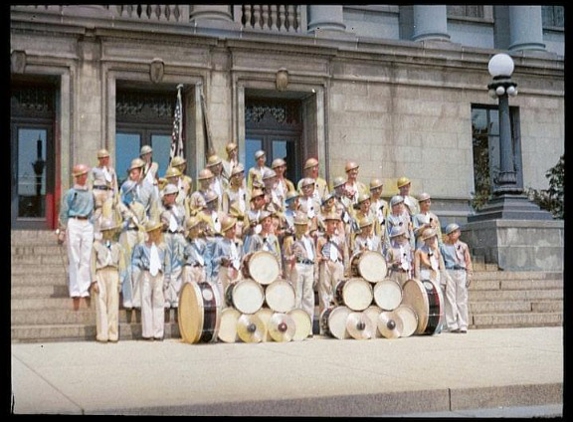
{"x":427,"y":300}
{"x":199,"y":313}
{"x":280,"y":296}
{"x":228,"y":328}
{"x":303,"y":324}
{"x":356,"y":293}
{"x":246,"y":295}
{"x":261,"y":266}
{"x":387,"y":294}
{"x":333,"y":322}
{"x":370,"y":265}
{"x":409,"y":319}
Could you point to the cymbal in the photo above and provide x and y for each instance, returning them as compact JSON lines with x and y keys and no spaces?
{"x":360,"y":326}
{"x":250,"y":328}
{"x":390,"y":324}
{"x":281,"y":327}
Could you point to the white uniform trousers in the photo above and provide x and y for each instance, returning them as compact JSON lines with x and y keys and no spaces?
{"x":227,"y":275}
{"x":131,"y":293}
{"x":457,"y":300}
{"x":107,"y":304}
{"x":174,"y":288}
{"x":194,"y":274}
{"x":302,"y":279}
{"x":80,"y":237}
{"x":329,"y":274}
{"x":152,"y":305}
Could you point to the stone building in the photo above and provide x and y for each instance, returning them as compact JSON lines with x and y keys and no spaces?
{"x":401,"y":90}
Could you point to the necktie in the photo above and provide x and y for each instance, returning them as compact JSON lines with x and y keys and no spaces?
{"x":404,"y":259}
{"x":200,"y":259}
{"x":172,"y":223}
{"x":333,"y":252}
{"x":106,"y":175}
{"x":308,"y":248}
{"x":154,"y":263}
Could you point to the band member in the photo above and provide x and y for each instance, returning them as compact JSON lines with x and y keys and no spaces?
{"x":425,"y":219}
{"x":400,"y":256}
{"x":428,"y":260}
{"x":219,"y":183}
{"x":366,"y":240}
{"x":266,"y":240}
{"x":227,"y":257}
{"x":458,"y":262}
{"x":235,"y":198}
{"x":185,"y":182}
{"x":231,"y":161}
{"x":256,"y":172}
{"x":252,"y":217}
{"x":76,"y":221}
{"x":380,"y":209}
{"x":150,"y":264}
{"x":410,"y":202}
{"x":311,"y":169}
{"x":284,"y":185}
{"x":109,"y":272}
{"x":204,"y":180}
{"x":173,"y":177}
{"x":196,"y":255}
{"x":150,"y":167}
{"x":399,"y":216}
{"x":352,"y":186}
{"x":308,"y":203}
{"x":104,"y":186}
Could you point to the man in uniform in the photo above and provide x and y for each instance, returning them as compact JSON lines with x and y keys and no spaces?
{"x":104,"y":186}
{"x":404,"y":184}
{"x":256,"y":172}
{"x":231,"y":161}
{"x":353,"y":187}
{"x":311,"y":168}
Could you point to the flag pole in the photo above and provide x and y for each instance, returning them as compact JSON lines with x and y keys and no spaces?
{"x":210,"y":150}
{"x":177,"y":147}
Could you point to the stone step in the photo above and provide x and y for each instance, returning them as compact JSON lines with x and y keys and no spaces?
{"x":33,"y":237}
{"x":59,"y":279}
{"x":38,"y":259}
{"x":18,"y":250}
{"x":508,"y":295}
{"x":32,"y":291}
{"x":45,"y":270}
{"x":516,"y":275}
{"x":515,"y":306}
{"x":516,"y":284}
{"x":516,"y":320}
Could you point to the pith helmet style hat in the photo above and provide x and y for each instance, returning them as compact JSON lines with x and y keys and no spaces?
{"x":375,"y":183}
{"x":107,"y":224}
{"x":402,"y":181}
{"x":211,"y":196}
{"x":351,"y":165}
{"x":424,"y":197}
{"x":213,"y":160}
{"x":363,"y":197}
{"x":170,"y":189}
{"x":364,"y":222}
{"x":269,"y":174}
{"x":428,"y":234}
{"x":153,"y":225}
{"x":191,"y":222}
{"x":177,"y":161}
{"x":307,"y":181}
{"x":397,"y":231}
{"x":172,"y":172}
{"x":450,"y":228}
{"x":205,"y":174}
{"x":311,"y":162}
{"x":136,"y":163}
{"x":396,"y":199}
{"x":338,"y":181}
{"x":301,"y":219}
{"x":291,"y":195}
{"x":80,"y":169}
{"x":228,"y":223}
{"x":259,"y":154}
{"x":230,"y":147}
{"x":145,"y":149}
{"x":102,"y":153}
{"x":256,"y":193}
{"x":239,"y":168}
{"x":327,"y":196}
{"x":332,"y":216}
{"x":278,"y":162}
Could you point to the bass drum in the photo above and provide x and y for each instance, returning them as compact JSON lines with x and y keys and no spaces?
{"x":280,"y":296}
{"x":373,"y":312}
{"x":228,"y":328}
{"x":370,"y":265}
{"x":409,"y":319}
{"x":247,"y":296}
{"x":199,"y":313}
{"x":387,"y":294}
{"x":261,"y":266}
{"x":303,"y":324}
{"x":333,"y":322}
{"x":427,"y":300}
{"x":355,"y":293}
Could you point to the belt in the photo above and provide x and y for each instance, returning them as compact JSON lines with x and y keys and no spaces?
{"x":194,"y":265}
{"x":305,"y":261}
{"x":80,"y":217}
{"x":102,"y":187}
{"x":132,"y":228}
{"x":456,"y":267}
{"x":175,"y":232}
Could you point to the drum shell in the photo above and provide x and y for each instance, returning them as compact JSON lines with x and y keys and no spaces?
{"x":333,"y":322}
{"x":280,"y":296}
{"x":355,"y":293}
{"x":199,"y":312}
{"x":387,"y":294}
{"x":370,"y":265}
{"x":245,"y":304}
{"x":228,"y":327}
{"x":303,"y":324}
{"x":426,"y":298}
{"x":261,"y":266}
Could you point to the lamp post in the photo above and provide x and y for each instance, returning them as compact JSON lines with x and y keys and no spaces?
{"x":38,"y":166}
{"x":500,"y":68}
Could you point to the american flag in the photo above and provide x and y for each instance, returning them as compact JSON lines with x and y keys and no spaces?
{"x":177,"y":134}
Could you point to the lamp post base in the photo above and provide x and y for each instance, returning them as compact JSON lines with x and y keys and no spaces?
{"x":512,"y":207}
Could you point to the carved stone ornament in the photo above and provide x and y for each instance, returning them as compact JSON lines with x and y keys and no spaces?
{"x":282,"y":79}
{"x":156,"y":70}
{"x":18,"y":61}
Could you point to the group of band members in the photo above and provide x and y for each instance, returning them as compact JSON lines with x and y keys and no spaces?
{"x":147,"y":237}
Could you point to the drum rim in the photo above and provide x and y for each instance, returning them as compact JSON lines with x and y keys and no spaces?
{"x":410,"y":310}
{"x":339,"y":309}
{"x":372,"y":253}
{"x":422,"y":321}
{"x":272,"y":288}
{"x":228,"y":311}
{"x":299,"y":311}
{"x":186,"y":336}
{"x":261,"y":253}
{"x":354,"y":280}
{"x":387,"y":281}
{"x":248,"y":281}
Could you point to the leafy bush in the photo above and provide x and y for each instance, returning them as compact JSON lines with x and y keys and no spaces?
{"x":552,"y":199}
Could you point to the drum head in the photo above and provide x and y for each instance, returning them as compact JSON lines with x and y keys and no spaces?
{"x":337,"y":322}
{"x":265,"y":315}
{"x":250,"y":328}
{"x":416,"y":297}
{"x":264,"y":267}
{"x":356,"y":294}
{"x":282,"y":327}
{"x":302,"y":322}
{"x":190,"y":312}
{"x":228,"y":327}
{"x":280,"y":296}
{"x":387,"y":294}
{"x":372,"y":266}
{"x":409,"y":319}
{"x":359,"y":326}
{"x":390,"y":325}
{"x":372,"y":312}
{"x":247,"y":296}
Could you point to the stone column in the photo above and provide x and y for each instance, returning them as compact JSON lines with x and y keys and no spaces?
{"x":525,"y":28}
{"x":325,"y":18}
{"x":211,"y":11}
{"x":430,"y":23}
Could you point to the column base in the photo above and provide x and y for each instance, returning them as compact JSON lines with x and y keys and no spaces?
{"x":510,"y":206}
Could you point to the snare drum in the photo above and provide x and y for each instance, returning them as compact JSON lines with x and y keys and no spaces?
{"x":333,"y":322}
{"x":199,"y":313}
{"x":303,"y":324}
{"x":246,"y":295}
{"x":370,"y":265}
{"x":356,"y":293}
{"x":280,"y":296}
{"x":261,"y":266}
{"x":228,"y":328}
{"x":409,"y":319}
{"x":427,"y":300}
{"x":387,"y":294}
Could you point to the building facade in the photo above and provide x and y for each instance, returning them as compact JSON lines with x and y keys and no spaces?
{"x":401,"y":90}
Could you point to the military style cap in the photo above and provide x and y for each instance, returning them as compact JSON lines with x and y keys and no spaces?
{"x":396,"y":199}
{"x":428,"y":234}
{"x":364,"y":222}
{"x":397,"y":231}
{"x":102,"y":153}
{"x":338,"y":181}
{"x":153,"y":225}
{"x":327,"y":196}
{"x":80,"y":169}
{"x":239,"y":168}
{"x":300,"y":219}
{"x":311,"y":162}
{"x":375,"y":183}
{"x":259,"y":154}
{"x":213,"y":160}
{"x":350,"y":165}
{"x":269,"y":174}
{"x":278,"y":162}
{"x":205,"y":174}
{"x":170,"y":189}
{"x":424,"y":197}
{"x":363,"y":197}
{"x":172,"y":172}
{"x":177,"y":161}
{"x":145,"y":149}
{"x":307,"y":181}
{"x":402,"y":181}
{"x":136,"y":163}
{"x":211,"y":196}
{"x":450,"y":228}
{"x":227,"y":223}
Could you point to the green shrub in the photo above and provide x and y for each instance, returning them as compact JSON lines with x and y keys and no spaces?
{"x":552,"y":199}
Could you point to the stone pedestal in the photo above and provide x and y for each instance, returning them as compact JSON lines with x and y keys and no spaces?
{"x":517,"y":245}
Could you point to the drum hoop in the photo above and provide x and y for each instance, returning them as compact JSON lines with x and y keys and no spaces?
{"x":251,"y":258}
{"x":423,"y":318}
{"x":362,"y":261}
{"x":346,"y":285}
{"x":240,"y":284}
{"x":235,"y":313}
{"x":275,"y":286}
{"x":300,"y":317}
{"x":378,"y":287}
{"x":183,"y":314}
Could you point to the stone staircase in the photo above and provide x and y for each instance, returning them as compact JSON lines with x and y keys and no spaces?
{"x":41,"y":310}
